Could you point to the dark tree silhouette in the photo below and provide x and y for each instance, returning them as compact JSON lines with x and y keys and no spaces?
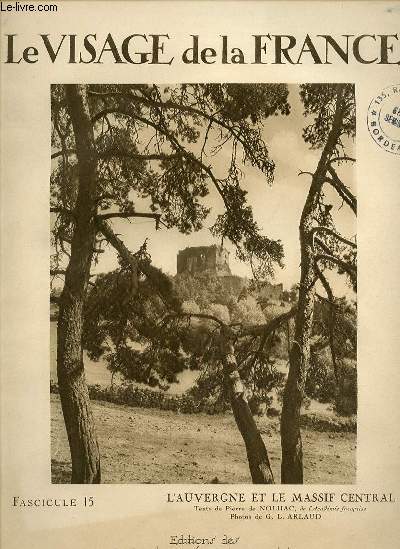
{"x":322,"y":248}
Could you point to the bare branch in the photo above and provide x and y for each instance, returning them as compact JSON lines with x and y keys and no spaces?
{"x":63,"y":152}
{"x":341,"y":189}
{"x":341,"y":159}
{"x":56,"y":272}
{"x":127,"y":215}
{"x":57,"y":209}
{"x":305,"y":173}
{"x":126,"y":154}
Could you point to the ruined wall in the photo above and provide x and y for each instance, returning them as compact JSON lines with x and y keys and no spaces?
{"x":222,"y":262}
{"x":271,"y":292}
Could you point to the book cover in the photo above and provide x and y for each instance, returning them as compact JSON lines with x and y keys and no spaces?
{"x":190,"y":354}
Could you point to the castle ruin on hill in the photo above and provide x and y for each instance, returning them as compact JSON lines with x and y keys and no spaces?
{"x":204,"y":259}
{"x":214,"y":260}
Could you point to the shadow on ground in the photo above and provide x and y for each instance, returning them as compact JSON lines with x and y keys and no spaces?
{"x":139,"y":445}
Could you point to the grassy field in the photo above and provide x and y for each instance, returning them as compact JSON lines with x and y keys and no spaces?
{"x":155,"y":446}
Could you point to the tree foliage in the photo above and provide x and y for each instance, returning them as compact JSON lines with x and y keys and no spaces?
{"x":156,"y":146}
{"x":333,"y":350}
{"x":320,"y":101}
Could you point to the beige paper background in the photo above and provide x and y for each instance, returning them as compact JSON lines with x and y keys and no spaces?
{"x":137,"y":516}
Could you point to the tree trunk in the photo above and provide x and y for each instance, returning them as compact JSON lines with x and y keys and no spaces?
{"x":292,"y":453}
{"x":70,"y":370}
{"x":257,"y":454}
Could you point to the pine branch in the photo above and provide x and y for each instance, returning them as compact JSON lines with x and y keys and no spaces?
{"x":136,"y":264}
{"x":145,"y":100}
{"x":190,"y":156}
{"x":349,"y":269}
{"x":334,"y":234}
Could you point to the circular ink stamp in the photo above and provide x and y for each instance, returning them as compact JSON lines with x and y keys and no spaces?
{"x":384,"y":119}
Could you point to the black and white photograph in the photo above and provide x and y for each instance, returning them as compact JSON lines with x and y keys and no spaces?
{"x":199,"y":274}
{"x":203,"y":279}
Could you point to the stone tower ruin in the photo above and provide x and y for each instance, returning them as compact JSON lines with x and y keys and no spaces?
{"x":214,"y":260}
{"x":204,"y":259}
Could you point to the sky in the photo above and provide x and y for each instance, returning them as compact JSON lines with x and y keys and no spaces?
{"x":277,"y":207}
